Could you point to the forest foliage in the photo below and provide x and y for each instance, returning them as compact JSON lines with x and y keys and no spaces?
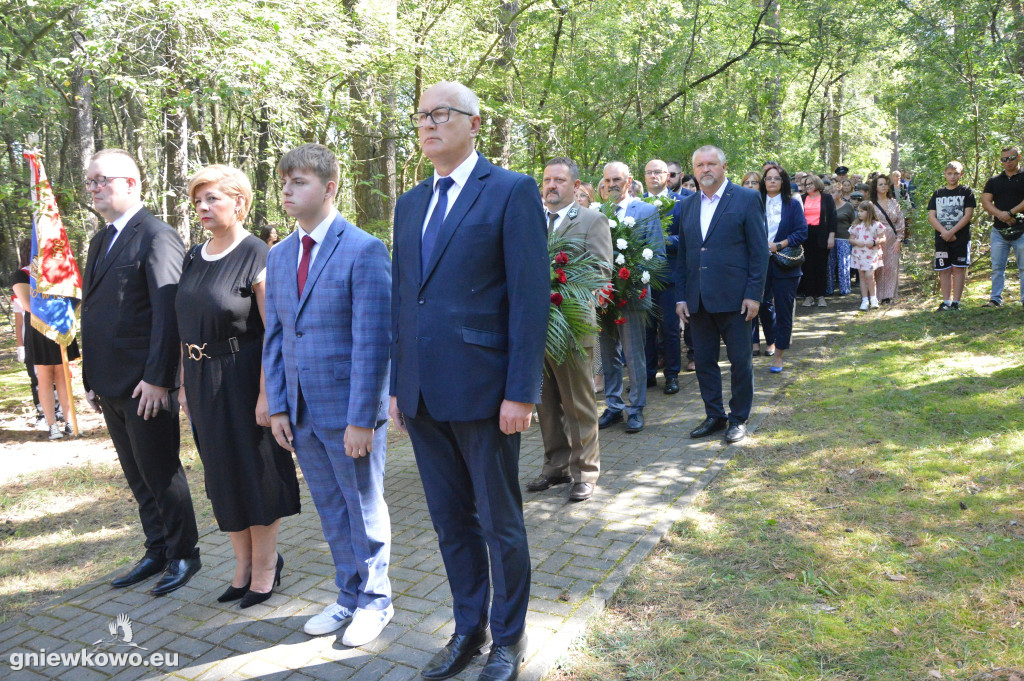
{"x":870,"y":84}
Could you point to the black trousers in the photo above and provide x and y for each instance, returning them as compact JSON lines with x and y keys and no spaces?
{"x":815,"y":269}
{"x":709,"y":330}
{"x":470,"y":474}
{"x":669,"y":327}
{"x":148,"y":452}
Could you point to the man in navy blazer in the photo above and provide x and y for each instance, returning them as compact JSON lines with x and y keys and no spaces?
{"x":720,"y":273}
{"x":656,"y":177}
{"x":470,"y":298}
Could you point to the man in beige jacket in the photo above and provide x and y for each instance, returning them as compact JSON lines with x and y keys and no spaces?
{"x":568,"y":408}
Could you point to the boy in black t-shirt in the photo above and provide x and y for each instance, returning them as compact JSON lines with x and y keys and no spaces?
{"x":949,"y":211}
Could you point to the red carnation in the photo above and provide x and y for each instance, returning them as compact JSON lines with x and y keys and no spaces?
{"x":560,"y":273}
{"x":556,"y":298}
{"x":624,"y":273}
{"x":620,"y":320}
{"x":562,"y":259}
{"x":643,"y":294}
{"x":622,"y":302}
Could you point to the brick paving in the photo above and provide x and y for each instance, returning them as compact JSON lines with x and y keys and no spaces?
{"x":580,"y":553}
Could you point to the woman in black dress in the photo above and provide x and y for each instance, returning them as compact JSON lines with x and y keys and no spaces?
{"x":250,"y":479}
{"x":43,"y":353}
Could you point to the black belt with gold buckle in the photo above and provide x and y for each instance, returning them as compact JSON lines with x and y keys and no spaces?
{"x":198,"y":351}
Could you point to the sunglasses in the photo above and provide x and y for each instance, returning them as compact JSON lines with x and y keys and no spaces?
{"x":1007,"y":159}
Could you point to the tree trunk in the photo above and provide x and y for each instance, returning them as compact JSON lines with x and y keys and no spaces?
{"x":500,"y":151}
{"x":835,"y":126}
{"x":175,"y":143}
{"x":263,"y":165}
{"x":85,"y":144}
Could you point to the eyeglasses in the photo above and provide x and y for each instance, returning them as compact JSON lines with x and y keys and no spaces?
{"x":655,"y":172}
{"x":1007,"y":159}
{"x":101,"y":181}
{"x":438,"y":116}
{"x":769,"y":178}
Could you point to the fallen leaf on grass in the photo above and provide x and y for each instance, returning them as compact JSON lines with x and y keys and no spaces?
{"x":896,"y":578}
{"x":935,"y":674}
{"x":790,"y":575}
{"x":897,"y":631}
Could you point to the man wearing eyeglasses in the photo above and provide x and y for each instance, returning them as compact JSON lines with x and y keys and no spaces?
{"x":471,"y":291}
{"x":1003,"y":198}
{"x":656,"y":177}
{"x":130,"y":353}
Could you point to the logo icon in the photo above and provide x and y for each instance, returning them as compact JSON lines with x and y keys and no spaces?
{"x":120,"y":634}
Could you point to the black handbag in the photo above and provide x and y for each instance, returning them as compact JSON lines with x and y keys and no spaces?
{"x":789,"y":257}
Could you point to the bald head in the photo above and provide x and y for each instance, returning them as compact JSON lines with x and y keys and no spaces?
{"x":447,"y":134}
{"x":113,"y":180}
{"x":656,"y":176}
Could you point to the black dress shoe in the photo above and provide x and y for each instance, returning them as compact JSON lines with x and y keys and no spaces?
{"x":652,"y":381}
{"x":544,"y":482}
{"x":252,"y":598}
{"x":635,"y":422}
{"x":455,"y":656}
{"x":736,"y":432}
{"x":177,"y":574}
{"x":608,"y":418}
{"x":671,"y":386}
{"x":144,"y":569}
{"x":709,"y":425}
{"x":581,"y":491}
{"x":504,"y":662}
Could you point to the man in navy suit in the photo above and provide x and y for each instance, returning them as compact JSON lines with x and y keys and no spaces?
{"x":656,"y":177}
{"x":470,"y":296}
{"x":720,"y":272}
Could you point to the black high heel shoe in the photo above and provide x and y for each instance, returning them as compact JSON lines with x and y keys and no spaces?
{"x":252,"y":598}
{"x":233,"y":593}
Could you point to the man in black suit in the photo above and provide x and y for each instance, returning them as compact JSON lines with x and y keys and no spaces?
{"x":130,"y":354}
{"x":720,"y":273}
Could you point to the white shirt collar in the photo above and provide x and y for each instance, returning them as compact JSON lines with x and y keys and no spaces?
{"x":561,"y":213}
{"x":624,"y":203}
{"x":663,"y":192}
{"x":122,"y":221}
{"x":461,"y":173}
{"x":319,"y":233}
{"x":717,"y":195}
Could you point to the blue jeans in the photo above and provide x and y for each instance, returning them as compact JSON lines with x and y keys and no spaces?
{"x":1000,"y":254}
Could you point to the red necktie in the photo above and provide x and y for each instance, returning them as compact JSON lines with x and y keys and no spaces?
{"x":307,"y":250}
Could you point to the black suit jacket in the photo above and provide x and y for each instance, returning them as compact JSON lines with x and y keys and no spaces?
{"x":129,"y":327}
{"x":818,"y":235}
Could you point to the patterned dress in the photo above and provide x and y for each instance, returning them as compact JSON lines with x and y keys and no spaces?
{"x":889,"y":277}
{"x":866,"y":258}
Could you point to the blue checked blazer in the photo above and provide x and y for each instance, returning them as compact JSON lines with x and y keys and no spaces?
{"x":333,"y":341}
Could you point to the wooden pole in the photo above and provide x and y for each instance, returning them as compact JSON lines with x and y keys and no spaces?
{"x":67,"y":382}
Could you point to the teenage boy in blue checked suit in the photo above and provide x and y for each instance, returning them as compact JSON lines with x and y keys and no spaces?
{"x":325,"y":359}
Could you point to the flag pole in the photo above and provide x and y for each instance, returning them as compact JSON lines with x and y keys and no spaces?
{"x":67,"y":382}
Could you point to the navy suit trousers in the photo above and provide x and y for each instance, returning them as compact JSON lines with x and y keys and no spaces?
{"x":668,"y":325}
{"x":470,"y":474}
{"x":709,"y":328}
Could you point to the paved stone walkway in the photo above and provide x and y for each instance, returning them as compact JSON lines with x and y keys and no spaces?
{"x":581,"y":553}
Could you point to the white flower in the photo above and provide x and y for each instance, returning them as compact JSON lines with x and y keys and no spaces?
{"x":613,"y":224}
{"x":657,"y":202}
{"x":621,"y":244}
{"x":645,"y":277}
{"x":620,"y":259}
{"x":628,"y":221}
{"x":647,"y":254}
{"x":595,"y":206}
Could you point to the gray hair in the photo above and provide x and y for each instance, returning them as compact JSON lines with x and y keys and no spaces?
{"x":707,"y":149}
{"x":462,"y":97}
{"x":617,"y":164}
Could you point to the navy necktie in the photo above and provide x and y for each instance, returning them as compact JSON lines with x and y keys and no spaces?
{"x":434,"y":223}
{"x":108,"y":236}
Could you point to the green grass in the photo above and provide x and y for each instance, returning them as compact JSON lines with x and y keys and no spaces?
{"x":873,"y":529}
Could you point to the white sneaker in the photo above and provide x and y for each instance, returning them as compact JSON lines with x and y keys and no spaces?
{"x":821,"y":301}
{"x":808,"y":301}
{"x":55,"y":432}
{"x":41,"y":424}
{"x":863,"y":303}
{"x":331,"y":619}
{"x":366,"y":626}
{"x":874,"y":303}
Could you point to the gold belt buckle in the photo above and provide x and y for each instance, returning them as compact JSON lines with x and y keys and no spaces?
{"x":195,"y":352}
